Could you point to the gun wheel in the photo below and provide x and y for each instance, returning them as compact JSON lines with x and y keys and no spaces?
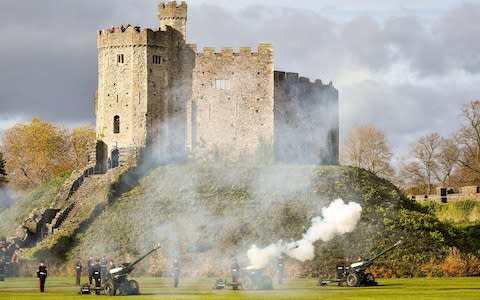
{"x":110,"y":289}
{"x":247,"y":283}
{"x":369,"y":279}
{"x":352,"y":279}
{"x":133,"y":288}
{"x":265,"y":283}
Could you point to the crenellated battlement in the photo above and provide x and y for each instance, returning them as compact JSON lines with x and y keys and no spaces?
{"x":229,"y":103}
{"x":135,"y":36}
{"x":171,"y":9}
{"x":173,"y":15}
{"x":262,"y":49}
{"x":295,"y":78}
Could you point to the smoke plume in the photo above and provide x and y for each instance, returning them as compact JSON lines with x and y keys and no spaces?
{"x":337,"y":218}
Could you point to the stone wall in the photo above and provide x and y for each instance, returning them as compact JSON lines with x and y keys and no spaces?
{"x":231,"y":111}
{"x":154,"y":90}
{"x":466,"y":193}
{"x":173,"y":15}
{"x":306,"y":120}
{"x":140,"y":75}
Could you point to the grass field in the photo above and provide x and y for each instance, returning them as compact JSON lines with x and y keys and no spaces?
{"x":160,"y":288}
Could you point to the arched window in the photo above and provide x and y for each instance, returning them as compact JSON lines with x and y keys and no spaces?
{"x":116,"y":124}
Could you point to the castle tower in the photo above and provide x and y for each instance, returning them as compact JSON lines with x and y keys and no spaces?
{"x":139,"y":101}
{"x":169,"y":14}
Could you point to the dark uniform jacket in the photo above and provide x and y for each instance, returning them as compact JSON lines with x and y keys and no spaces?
{"x":90,"y":265}
{"x":42,"y":272}
{"x":78,"y":267}
{"x":176,"y":269}
{"x":96,"y":272}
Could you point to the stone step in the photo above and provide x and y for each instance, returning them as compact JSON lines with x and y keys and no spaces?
{"x":81,"y":195}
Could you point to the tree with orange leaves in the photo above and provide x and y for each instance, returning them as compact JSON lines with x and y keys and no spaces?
{"x":3,"y":173}
{"x":35,"y":153}
{"x":82,"y":140}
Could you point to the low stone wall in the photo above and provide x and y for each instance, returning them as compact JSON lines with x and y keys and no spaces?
{"x":450,"y":198}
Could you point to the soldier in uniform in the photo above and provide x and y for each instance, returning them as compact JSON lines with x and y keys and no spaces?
{"x":78,"y":271}
{"x":90,"y":264}
{"x":42,"y":275}
{"x":96,"y":275}
{"x":340,"y":267}
{"x":2,"y":269}
{"x":2,"y":261}
{"x":176,"y":272}
{"x":280,"y":269}
{"x":103,"y":268}
{"x":235,"y":269}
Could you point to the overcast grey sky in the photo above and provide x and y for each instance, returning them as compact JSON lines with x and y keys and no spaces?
{"x":405,"y":66}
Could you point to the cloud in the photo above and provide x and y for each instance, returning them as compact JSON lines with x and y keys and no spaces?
{"x":7,"y":121}
{"x":459,"y":37}
{"x":49,"y":50}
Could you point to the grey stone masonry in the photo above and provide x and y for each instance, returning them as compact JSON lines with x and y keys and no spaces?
{"x":232,"y":102}
{"x":156,"y":90}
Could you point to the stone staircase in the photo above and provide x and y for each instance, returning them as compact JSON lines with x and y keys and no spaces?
{"x":83,"y":183}
{"x":43,"y":225}
{"x":79,"y":198}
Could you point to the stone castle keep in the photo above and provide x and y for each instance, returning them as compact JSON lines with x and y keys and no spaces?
{"x":156,"y":90}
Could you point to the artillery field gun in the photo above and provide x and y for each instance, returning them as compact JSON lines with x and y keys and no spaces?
{"x":251,"y":279}
{"x":255,"y":279}
{"x":117,"y":279}
{"x":355,"y":274}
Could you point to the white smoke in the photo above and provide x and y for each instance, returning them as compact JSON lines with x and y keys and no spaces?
{"x":8,"y":197}
{"x":337,"y":218}
{"x":260,"y":257}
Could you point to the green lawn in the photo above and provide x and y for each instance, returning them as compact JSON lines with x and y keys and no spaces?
{"x":160,"y":288}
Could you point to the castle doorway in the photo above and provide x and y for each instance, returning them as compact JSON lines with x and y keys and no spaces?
{"x":101,"y":158}
{"x":115,"y":158}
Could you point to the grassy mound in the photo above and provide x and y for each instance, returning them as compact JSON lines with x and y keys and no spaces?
{"x":41,"y":197}
{"x":205,"y":214}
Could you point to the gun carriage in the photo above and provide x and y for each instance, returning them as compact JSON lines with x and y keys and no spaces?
{"x":251,"y":279}
{"x":117,"y":281}
{"x":117,"y":278}
{"x":355,"y":274}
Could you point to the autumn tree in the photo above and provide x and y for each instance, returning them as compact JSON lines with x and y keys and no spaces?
{"x":3,"y":172}
{"x":426,"y":152}
{"x":468,"y":139}
{"x":432,"y":160}
{"x":81,"y":141}
{"x":366,"y":147}
{"x":412,"y":177}
{"x":35,"y":152}
{"x":447,"y":161}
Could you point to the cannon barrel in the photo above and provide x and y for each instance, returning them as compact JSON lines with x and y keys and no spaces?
{"x":143,"y":257}
{"x":385,"y":251}
{"x":368,"y":262}
{"x":126,"y":268}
